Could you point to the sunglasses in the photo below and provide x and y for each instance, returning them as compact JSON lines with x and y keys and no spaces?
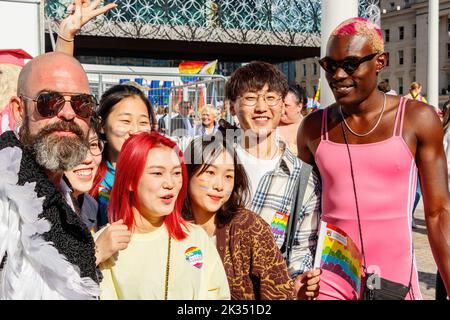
{"x":49,"y":104}
{"x":349,"y":65}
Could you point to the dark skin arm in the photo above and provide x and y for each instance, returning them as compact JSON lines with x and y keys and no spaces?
{"x":432,"y":164}
{"x":423,"y":134}
{"x":308,"y":137}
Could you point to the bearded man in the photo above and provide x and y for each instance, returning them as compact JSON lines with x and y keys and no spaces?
{"x":46,"y":252}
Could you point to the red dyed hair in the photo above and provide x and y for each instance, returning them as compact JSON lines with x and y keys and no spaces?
{"x":99,"y":176}
{"x":362,"y":27}
{"x":129,"y":170}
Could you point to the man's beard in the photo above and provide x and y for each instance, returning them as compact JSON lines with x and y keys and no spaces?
{"x":56,"y":153}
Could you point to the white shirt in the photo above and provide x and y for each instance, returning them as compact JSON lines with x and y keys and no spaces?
{"x":255,"y":168}
{"x":66,"y":193}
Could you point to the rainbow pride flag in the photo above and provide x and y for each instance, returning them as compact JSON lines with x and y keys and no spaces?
{"x":196,"y":67}
{"x":316,"y":100}
{"x":337,"y":253}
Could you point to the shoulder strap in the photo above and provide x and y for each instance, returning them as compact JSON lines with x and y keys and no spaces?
{"x":324,"y":128}
{"x":297,"y":205}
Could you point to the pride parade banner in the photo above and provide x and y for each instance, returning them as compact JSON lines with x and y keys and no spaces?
{"x":337,"y":253}
{"x":196,"y":67}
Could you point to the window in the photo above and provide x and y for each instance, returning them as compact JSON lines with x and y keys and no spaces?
{"x":413,"y":55}
{"x":400,"y":85}
{"x":448,"y":50}
{"x":386,"y":35}
{"x":315,"y":68}
{"x":304,"y":70}
{"x":448,"y":26}
{"x":401,"y":33}
{"x":400,"y":57}
{"x":392,"y":4}
{"x":414,"y":31}
{"x":389,"y":58}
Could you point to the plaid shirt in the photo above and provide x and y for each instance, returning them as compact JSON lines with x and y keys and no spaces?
{"x":273,"y":201}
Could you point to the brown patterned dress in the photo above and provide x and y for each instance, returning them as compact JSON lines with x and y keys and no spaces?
{"x":253,"y":263}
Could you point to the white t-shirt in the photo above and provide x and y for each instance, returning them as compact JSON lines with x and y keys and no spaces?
{"x":255,"y":168}
{"x":139,"y":272}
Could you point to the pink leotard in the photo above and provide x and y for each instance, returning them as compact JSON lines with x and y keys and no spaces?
{"x":385,"y":178}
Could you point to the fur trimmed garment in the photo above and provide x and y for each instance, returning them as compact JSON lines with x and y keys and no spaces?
{"x":46,"y":252}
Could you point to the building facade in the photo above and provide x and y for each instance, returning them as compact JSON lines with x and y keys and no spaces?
{"x":405,"y":30}
{"x":308,"y":74}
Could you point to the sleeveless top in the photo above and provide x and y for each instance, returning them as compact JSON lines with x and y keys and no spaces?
{"x":385,"y":179}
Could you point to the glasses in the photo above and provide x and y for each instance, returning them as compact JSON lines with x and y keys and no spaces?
{"x":349,"y":64}
{"x":49,"y":104}
{"x":96,"y":146}
{"x":271,"y":99}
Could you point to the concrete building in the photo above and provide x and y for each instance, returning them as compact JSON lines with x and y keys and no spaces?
{"x":308,"y":74}
{"x":405,"y":31}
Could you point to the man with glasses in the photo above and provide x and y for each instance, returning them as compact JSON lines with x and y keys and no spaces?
{"x":46,"y":251}
{"x":256,"y":92}
{"x":368,"y":147}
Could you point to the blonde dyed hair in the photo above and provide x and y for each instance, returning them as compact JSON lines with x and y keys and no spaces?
{"x":361,"y":27}
{"x":9,"y":75}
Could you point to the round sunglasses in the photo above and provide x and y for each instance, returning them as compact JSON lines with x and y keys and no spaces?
{"x":349,"y":65}
{"x":50,"y":103}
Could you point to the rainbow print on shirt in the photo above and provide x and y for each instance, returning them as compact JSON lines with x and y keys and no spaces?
{"x":194,"y":256}
{"x":279,"y":223}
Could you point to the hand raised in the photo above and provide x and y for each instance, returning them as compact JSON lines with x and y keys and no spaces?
{"x":113,"y":238}
{"x":80,"y":13}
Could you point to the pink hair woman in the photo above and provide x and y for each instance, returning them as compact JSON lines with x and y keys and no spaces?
{"x":167,"y":258}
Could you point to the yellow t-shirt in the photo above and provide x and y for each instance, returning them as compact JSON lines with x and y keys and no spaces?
{"x":139,"y":272}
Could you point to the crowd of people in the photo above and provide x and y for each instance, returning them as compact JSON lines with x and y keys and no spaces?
{"x":98,"y":201}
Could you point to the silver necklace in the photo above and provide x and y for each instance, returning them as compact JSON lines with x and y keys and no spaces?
{"x":371,"y":130}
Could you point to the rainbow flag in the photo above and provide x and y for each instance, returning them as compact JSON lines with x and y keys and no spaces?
{"x":196,"y":67}
{"x":337,"y":253}
{"x":316,"y":100}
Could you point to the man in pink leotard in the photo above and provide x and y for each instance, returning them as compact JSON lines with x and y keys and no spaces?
{"x":390,"y":139}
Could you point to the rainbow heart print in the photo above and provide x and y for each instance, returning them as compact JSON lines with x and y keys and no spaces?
{"x":194,"y":256}
{"x":279,"y":223}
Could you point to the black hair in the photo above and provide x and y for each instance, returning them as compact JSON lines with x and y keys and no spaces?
{"x":210,"y":147}
{"x":299,"y":93}
{"x":114,"y":95}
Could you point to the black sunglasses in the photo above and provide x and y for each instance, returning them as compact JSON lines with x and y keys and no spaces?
{"x":349,"y":64}
{"x":49,"y":104}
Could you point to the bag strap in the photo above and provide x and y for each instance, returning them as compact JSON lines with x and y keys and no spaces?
{"x":359,"y":220}
{"x":299,"y":190}
{"x":356,"y":198}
